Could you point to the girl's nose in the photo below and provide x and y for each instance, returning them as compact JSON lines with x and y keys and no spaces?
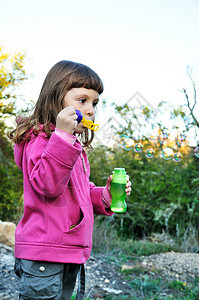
{"x":90,"y":110}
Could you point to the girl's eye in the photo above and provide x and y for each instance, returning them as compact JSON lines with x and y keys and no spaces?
{"x":95,"y":104}
{"x":82,"y":100}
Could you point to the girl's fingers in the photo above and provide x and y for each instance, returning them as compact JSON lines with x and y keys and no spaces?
{"x":128,"y":186}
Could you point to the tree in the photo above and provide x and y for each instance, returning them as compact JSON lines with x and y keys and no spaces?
{"x":165,"y":192}
{"x":188,"y":111}
{"x":12,"y":74}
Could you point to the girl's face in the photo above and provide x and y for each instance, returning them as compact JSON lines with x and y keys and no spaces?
{"x":84,"y":100}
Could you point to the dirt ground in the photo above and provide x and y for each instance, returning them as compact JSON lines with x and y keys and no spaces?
{"x":104,"y":277}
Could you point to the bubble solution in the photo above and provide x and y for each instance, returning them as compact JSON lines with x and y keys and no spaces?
{"x":118,"y":186}
{"x":138,"y":148}
{"x":150,"y":153}
{"x":196,"y":152}
{"x":177,"y":157}
{"x":167,"y":153}
{"x":163,"y":137}
{"x":127,"y":142}
{"x":118,"y":194}
{"x":180,"y":139}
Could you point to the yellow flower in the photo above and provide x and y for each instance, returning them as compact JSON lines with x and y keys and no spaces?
{"x":184,"y":283}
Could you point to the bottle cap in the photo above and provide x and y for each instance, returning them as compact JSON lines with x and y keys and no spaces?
{"x":119,"y":175}
{"x":119,"y":171}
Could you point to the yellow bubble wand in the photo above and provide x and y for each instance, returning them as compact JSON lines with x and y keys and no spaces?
{"x":87,"y":123}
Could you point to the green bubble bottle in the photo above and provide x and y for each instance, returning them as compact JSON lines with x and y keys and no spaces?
{"x":118,"y":186}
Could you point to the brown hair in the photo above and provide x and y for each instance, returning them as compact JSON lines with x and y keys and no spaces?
{"x":61,"y":78}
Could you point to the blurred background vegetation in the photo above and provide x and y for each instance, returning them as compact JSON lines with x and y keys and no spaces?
{"x":152,"y":145}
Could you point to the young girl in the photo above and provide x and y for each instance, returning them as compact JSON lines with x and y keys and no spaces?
{"x":53,"y":240}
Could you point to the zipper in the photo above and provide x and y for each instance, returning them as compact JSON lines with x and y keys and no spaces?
{"x":83,"y":162}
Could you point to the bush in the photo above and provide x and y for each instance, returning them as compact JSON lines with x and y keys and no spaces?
{"x":164,"y":197}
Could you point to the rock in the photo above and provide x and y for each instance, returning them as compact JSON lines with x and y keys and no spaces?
{"x":7,"y":233}
{"x":127,"y":267}
{"x":112,"y":291}
{"x":182,"y":266}
{"x":8,"y":280}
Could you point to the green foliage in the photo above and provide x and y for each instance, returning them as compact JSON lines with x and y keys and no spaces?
{"x":74,"y":295}
{"x":107,"y":239}
{"x":100,"y":157}
{"x":150,"y":288}
{"x":140,"y":248}
{"x":165,"y":194}
{"x":12,"y":73}
{"x":148,"y":285}
{"x":176,"y":284}
{"x":178,"y":112}
{"x":162,"y":191}
{"x":147,"y":282}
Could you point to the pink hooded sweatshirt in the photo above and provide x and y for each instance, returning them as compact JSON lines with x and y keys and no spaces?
{"x":59,"y":201}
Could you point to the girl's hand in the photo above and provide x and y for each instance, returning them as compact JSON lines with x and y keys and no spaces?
{"x":128,"y":185}
{"x":67,"y":120}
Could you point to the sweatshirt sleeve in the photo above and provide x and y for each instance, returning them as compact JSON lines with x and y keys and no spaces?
{"x":106,"y":197}
{"x":50,"y":163}
{"x":66,"y":136}
{"x":97,"y":200}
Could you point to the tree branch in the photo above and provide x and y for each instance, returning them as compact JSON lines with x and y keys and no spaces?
{"x":194,"y":87}
{"x":189,"y":107}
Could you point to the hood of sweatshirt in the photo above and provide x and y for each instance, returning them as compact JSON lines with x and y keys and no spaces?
{"x":18,"y":154}
{"x":19,"y":148}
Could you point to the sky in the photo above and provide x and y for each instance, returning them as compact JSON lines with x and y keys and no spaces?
{"x":135,"y":46}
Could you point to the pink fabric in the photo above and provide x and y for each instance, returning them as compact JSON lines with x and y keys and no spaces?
{"x":106,"y":197}
{"x":66,"y":136}
{"x":57,"y":195}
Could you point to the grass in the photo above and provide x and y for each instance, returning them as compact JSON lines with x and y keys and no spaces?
{"x":145,"y":287}
{"x":74,"y":295}
{"x":105,"y":240}
{"x":145,"y":283}
{"x":154,"y":287}
{"x":143,"y":248}
{"x":148,"y":284}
